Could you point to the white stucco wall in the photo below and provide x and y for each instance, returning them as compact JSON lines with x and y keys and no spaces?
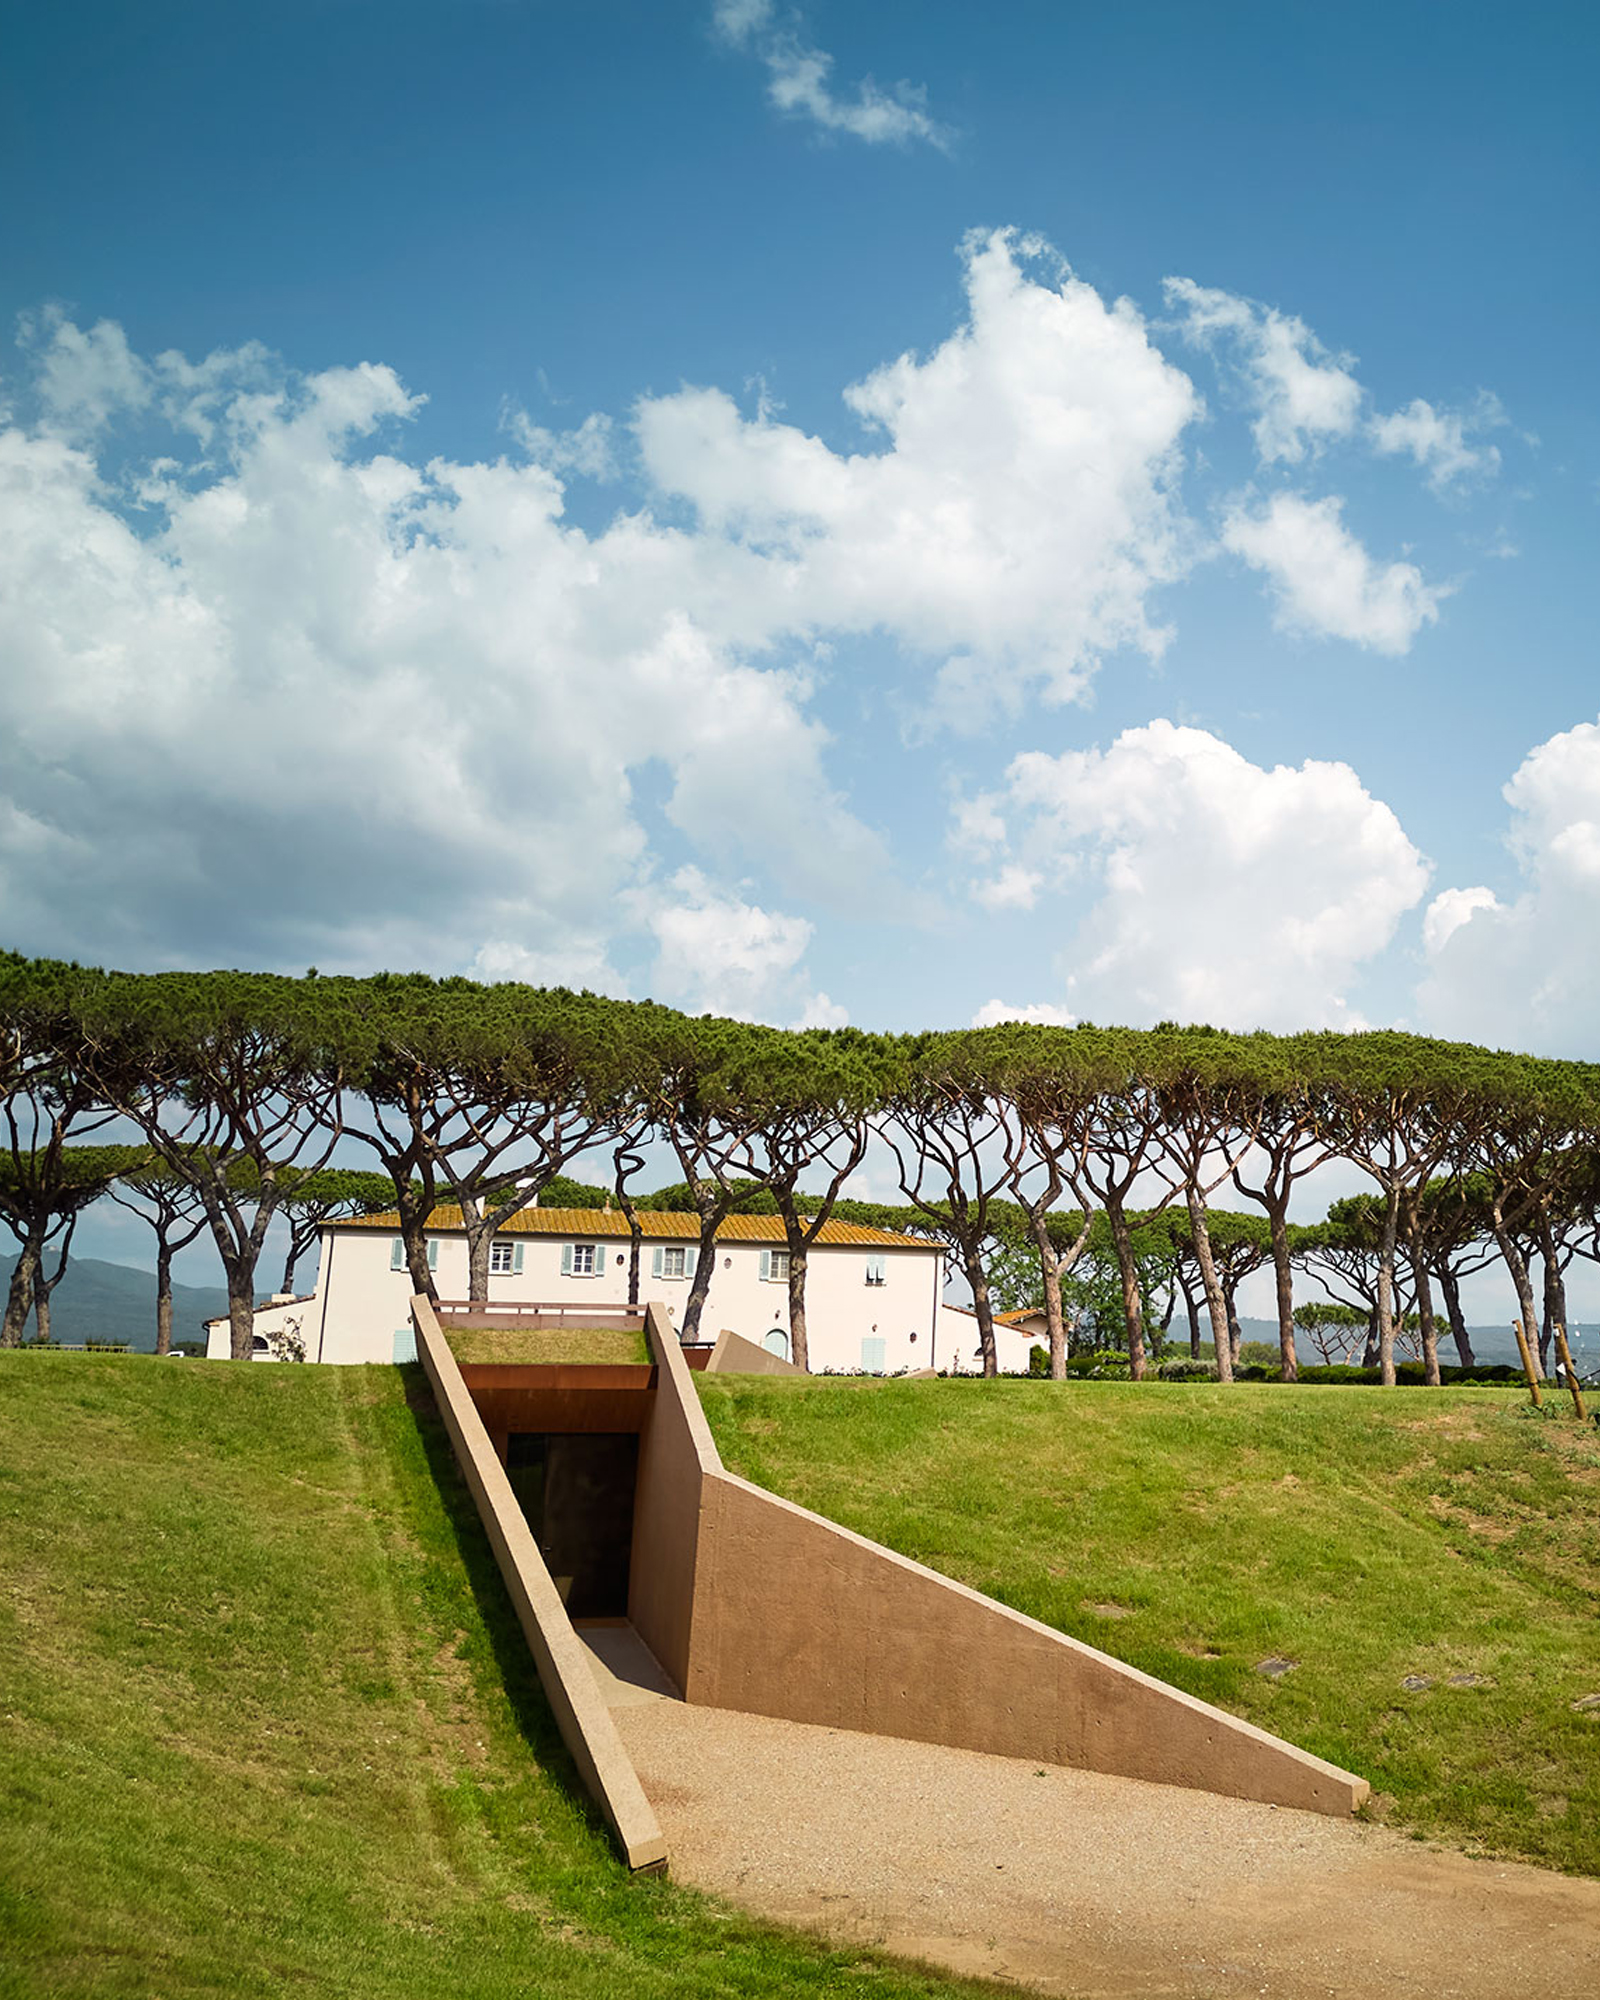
{"x":360,"y":1310}
{"x":959,"y":1350}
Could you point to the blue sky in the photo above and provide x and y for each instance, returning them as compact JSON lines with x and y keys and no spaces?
{"x":436,"y":532}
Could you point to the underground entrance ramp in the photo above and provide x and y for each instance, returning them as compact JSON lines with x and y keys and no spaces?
{"x":749,"y":1603}
{"x":1073,"y":1882}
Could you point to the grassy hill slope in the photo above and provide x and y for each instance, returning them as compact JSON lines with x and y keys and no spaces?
{"x":267,"y":1724}
{"x":1368,"y":1536}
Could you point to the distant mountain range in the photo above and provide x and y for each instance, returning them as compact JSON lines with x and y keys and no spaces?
{"x":97,"y":1301}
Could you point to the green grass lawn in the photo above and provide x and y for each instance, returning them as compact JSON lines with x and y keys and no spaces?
{"x":267,"y":1724}
{"x":613,"y":1346}
{"x":1370,"y":1536}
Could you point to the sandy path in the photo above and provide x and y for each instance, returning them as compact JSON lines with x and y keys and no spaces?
{"x":1074,"y":1883}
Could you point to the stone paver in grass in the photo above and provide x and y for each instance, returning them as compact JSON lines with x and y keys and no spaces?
{"x":1470,"y":1681}
{"x":1275,"y":1666}
{"x":1415,"y":1683}
{"x":1587,"y":1704}
{"x":1107,"y":1610}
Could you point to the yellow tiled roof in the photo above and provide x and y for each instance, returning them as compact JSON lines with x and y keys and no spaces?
{"x":588,"y":1222}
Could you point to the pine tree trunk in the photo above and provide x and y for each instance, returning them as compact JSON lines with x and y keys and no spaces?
{"x":1425,"y":1319}
{"x":700,"y":1284}
{"x":1555,"y":1289}
{"x":1050,"y":1271}
{"x":799,"y":1350}
{"x":1450,"y":1285}
{"x":1132,"y":1303}
{"x":1216,"y":1304}
{"x":41,"y":1314}
{"x":1391,"y":1230}
{"x":415,"y":1205}
{"x":163,"y":1296}
{"x":1283,"y":1273}
{"x":19,"y":1300}
{"x":1517,"y":1265}
{"x":636,"y":1251}
{"x":480,"y":1234}
{"x":978,"y":1279}
{"x":241,"y":1314}
{"x":1192,"y":1307}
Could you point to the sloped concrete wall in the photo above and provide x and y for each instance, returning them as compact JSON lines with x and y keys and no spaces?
{"x":784,"y":1613}
{"x":564,"y":1673}
{"x":734,"y":1355}
{"x":673,"y":1455}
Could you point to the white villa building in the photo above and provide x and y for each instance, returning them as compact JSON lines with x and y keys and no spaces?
{"x":874,"y":1299}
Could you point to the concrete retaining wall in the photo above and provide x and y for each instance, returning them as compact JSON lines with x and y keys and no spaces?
{"x":734,"y":1355}
{"x":756,"y":1604}
{"x":564,"y":1673}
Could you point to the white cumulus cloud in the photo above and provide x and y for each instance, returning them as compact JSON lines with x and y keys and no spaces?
{"x":1324,"y":582}
{"x":1525,"y":973}
{"x":1021,"y":507}
{"x":720,"y":955}
{"x":1302,"y":394}
{"x":301,"y":700}
{"x":1438,"y":441}
{"x":1228,"y":893}
{"x":799,"y":81}
{"x":995,"y":1012}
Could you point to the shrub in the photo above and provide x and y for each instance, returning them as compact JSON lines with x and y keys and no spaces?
{"x":1186,"y":1369}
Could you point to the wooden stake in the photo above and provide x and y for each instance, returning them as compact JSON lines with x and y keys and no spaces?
{"x":1560,"y":1335}
{"x":1527,"y":1363}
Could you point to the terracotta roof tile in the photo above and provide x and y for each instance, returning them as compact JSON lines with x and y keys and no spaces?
{"x":657,"y":1225}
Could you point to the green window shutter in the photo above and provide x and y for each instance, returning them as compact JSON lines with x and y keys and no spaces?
{"x":691,"y":1257}
{"x":766,"y":1263}
{"x":655,"y":1262}
{"x":566,"y":1260}
{"x":397,"y":1254}
{"x":516,"y":1259}
{"x":433,"y":1253}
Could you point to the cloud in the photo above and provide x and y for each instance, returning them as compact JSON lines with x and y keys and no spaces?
{"x":1228,"y":893}
{"x":1436,"y":440}
{"x":282,"y":690}
{"x":588,"y":450}
{"x":287,"y":697}
{"x":1014,"y":888}
{"x":798,"y":81}
{"x":1019,"y":512}
{"x":1523,"y":973}
{"x":580,"y":962}
{"x":1302,"y":394}
{"x":83,"y":379}
{"x":1324,"y":581}
{"x":720,"y":955}
{"x":84,"y":375}
{"x":995,"y":1012}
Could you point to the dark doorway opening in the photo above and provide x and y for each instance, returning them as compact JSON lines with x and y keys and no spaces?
{"x":576,"y":1491}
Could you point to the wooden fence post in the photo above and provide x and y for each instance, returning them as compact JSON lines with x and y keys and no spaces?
{"x":1565,"y":1353}
{"x":1527,"y":1363}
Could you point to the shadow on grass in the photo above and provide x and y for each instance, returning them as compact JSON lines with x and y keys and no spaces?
{"x":513,"y":1661}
